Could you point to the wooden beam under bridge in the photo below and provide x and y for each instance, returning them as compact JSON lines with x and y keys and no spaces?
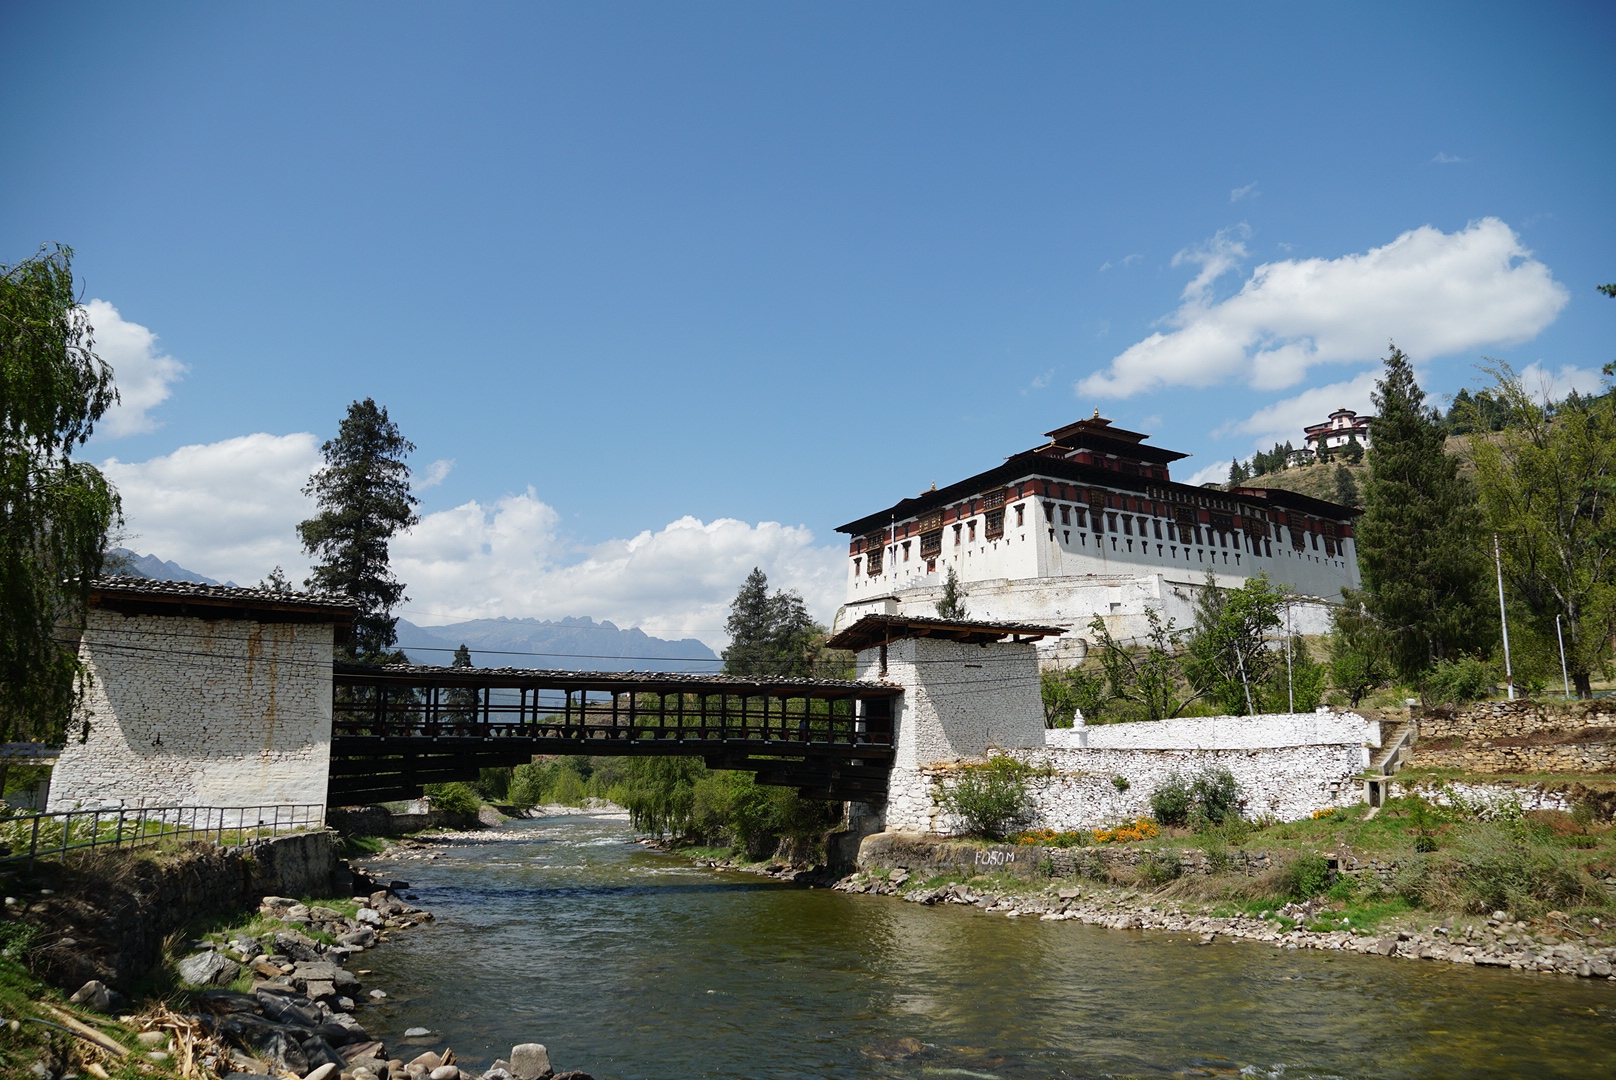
{"x":398,"y":727}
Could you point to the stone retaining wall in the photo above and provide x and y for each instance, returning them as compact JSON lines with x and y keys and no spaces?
{"x":112,"y":910}
{"x":1511,"y":719}
{"x":1519,"y":737}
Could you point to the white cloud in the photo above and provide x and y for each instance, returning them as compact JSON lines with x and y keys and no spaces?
{"x":1434,"y":293}
{"x":1215,"y":473}
{"x":1546,"y":386}
{"x":1039,"y":382}
{"x":1126,"y":260}
{"x":477,"y":561}
{"x":436,"y":473}
{"x":230,"y":510}
{"x":1448,"y":159}
{"x":141,"y":371}
{"x":1248,"y":192}
{"x":1284,"y":420}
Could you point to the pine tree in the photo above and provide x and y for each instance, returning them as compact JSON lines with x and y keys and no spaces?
{"x":1419,"y":542}
{"x":952,"y":605}
{"x":1346,"y":488}
{"x":770,"y":636}
{"x":363,"y":491}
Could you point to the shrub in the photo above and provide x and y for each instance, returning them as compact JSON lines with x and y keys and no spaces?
{"x":1142,"y":829}
{"x":1458,"y":682}
{"x":1216,"y":795}
{"x":1159,"y":867}
{"x":1120,"y":782}
{"x":1425,"y":844}
{"x":1171,"y":802}
{"x":1306,"y":877}
{"x":453,"y":798}
{"x":1213,"y":797}
{"x":992,"y":799}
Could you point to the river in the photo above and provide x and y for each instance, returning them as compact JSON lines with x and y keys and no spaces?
{"x":627,"y":963}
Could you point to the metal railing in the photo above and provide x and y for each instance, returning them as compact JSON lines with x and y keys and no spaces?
{"x":33,"y":836}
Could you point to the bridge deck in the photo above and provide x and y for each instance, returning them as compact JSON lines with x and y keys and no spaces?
{"x":397,"y":727}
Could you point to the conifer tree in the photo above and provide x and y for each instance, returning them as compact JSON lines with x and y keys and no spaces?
{"x":363,"y":492}
{"x":771,"y":636}
{"x":1346,"y":488}
{"x":1419,"y":540}
{"x":952,"y":605}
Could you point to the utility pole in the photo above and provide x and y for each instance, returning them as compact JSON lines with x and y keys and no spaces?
{"x":1503,"y":619}
{"x":1290,"y":681}
{"x":1561,"y":637}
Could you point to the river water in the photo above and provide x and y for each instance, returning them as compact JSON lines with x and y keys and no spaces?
{"x":628,"y":963}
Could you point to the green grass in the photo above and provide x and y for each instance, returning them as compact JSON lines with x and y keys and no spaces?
{"x":354,"y":847}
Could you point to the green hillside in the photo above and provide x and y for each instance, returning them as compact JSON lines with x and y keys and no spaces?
{"x":1316,"y":481}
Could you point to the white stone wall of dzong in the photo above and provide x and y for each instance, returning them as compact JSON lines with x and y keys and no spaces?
{"x":1121,"y":600}
{"x":959,"y":700}
{"x":185,"y":711}
{"x":1267,"y":731}
{"x":1287,"y":766}
{"x":1486,"y":799}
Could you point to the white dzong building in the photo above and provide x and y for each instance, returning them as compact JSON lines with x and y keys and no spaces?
{"x":1092,"y":523}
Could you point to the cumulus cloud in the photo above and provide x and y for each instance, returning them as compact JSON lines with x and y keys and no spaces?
{"x":1284,"y":420}
{"x":1551,"y":386}
{"x":507,"y":558}
{"x":230,"y":510}
{"x":1434,"y":293}
{"x":142,"y":371}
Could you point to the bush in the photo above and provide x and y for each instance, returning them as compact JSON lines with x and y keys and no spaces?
{"x":1306,"y":877}
{"x":1159,"y":867}
{"x":992,"y":799}
{"x":1171,"y":803}
{"x":1120,"y":782}
{"x":1216,"y":795}
{"x":1458,"y":682}
{"x":453,"y":798}
{"x":1213,"y":797}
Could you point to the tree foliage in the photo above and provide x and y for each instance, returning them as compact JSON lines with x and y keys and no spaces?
{"x":1419,"y":540}
{"x":952,"y":605}
{"x":1230,"y":660}
{"x":992,"y":799}
{"x":771,"y":635}
{"x":1147,"y":677}
{"x":1547,"y":480}
{"x":1068,"y":692}
{"x":363,"y":492}
{"x":55,"y":513}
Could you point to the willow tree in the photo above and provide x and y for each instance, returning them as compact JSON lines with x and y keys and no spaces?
{"x":55,"y":513}
{"x":1547,"y":482}
{"x":363,"y":492}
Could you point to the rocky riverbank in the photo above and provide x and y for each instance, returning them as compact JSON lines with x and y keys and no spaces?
{"x":302,"y":1013}
{"x":1548,"y":945}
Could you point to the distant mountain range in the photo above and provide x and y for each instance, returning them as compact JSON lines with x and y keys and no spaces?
{"x":580,"y":644}
{"x":125,"y":563}
{"x":577,"y":644}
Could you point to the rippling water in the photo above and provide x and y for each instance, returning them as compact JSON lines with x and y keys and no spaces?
{"x":628,"y":964}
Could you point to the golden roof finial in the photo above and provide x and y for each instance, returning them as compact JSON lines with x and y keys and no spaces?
{"x":1096,"y":414}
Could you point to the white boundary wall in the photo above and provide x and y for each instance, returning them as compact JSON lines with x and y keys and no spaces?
{"x":187,"y":711}
{"x":1287,"y":766}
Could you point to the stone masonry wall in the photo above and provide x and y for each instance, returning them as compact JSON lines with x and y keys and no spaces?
{"x":1519,"y":737}
{"x":112,"y":910}
{"x":185,"y":711}
{"x":1307,"y":765}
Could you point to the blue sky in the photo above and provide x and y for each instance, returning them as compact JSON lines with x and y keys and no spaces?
{"x":620,"y":268}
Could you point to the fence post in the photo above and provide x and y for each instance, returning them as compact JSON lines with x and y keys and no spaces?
{"x":33,"y":844}
{"x":118,"y":842}
{"x":95,"y":829}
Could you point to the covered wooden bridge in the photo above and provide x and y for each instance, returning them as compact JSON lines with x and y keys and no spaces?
{"x":397,"y":727}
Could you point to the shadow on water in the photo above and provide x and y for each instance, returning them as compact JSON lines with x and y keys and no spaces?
{"x":630,"y":964}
